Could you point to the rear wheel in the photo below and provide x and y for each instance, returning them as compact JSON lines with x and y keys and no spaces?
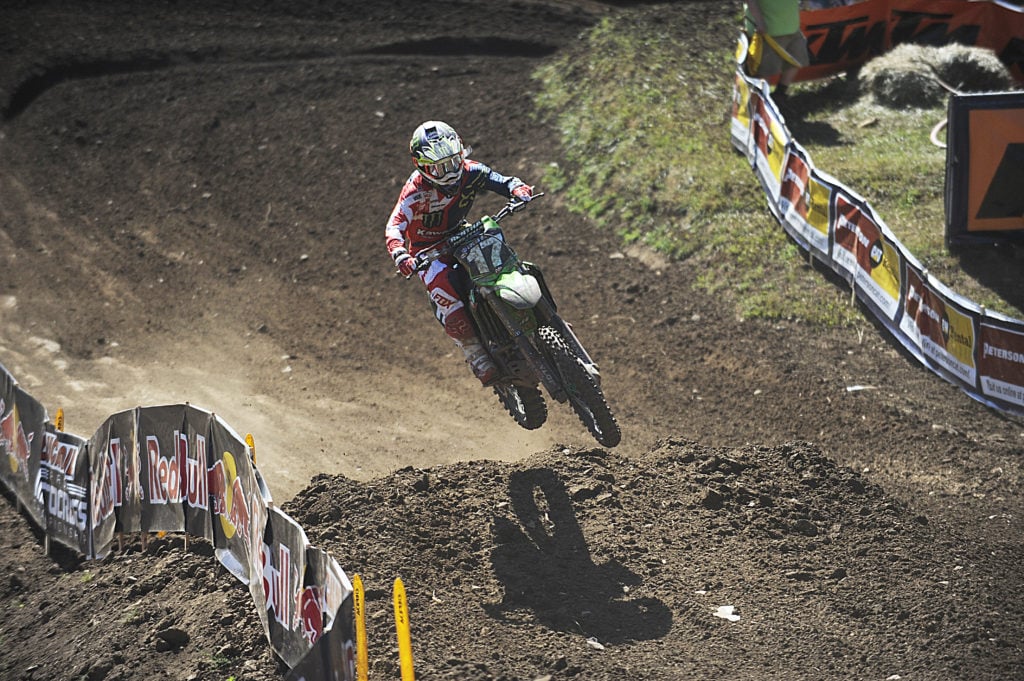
{"x":584,"y":393}
{"x":524,"y":403}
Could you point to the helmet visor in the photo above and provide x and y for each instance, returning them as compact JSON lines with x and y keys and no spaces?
{"x":444,"y":167}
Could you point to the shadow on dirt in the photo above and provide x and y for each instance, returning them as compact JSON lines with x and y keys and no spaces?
{"x":996,"y":267}
{"x":545,"y":565}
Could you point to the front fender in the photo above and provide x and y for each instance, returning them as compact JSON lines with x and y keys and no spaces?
{"x":521,"y":291}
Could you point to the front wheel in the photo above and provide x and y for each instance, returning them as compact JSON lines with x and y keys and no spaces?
{"x":524,"y":403}
{"x":583,"y":391}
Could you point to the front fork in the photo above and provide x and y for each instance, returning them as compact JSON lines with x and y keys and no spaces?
{"x":544,"y":371}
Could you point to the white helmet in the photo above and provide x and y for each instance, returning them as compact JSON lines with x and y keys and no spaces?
{"x":438,"y":153}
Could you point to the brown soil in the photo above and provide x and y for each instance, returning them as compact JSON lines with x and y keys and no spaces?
{"x":192,"y":202}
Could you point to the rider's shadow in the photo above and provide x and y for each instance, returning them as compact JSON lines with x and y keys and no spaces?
{"x":545,"y":566}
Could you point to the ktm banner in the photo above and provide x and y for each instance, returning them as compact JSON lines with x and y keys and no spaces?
{"x":841,"y":38}
{"x":984,"y":167}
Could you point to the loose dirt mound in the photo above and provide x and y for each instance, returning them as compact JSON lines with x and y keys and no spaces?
{"x":193,"y":201}
{"x":573,"y":562}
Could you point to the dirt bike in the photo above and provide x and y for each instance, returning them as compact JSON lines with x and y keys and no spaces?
{"x":517,"y":321}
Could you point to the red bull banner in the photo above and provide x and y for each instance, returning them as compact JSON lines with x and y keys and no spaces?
{"x":979,"y":351}
{"x":116,"y":485}
{"x":180,"y":468}
{"x":236,"y":504}
{"x":22,"y":432}
{"x":162,"y":471}
{"x":282,"y":570}
{"x":327,"y":620}
{"x":840,"y":38}
{"x":106,"y":487}
{"x":193,"y":456}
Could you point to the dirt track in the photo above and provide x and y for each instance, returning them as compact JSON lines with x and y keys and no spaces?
{"x":192,"y":201}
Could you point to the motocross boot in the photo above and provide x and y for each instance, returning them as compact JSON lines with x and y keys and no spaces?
{"x":479,"y":361}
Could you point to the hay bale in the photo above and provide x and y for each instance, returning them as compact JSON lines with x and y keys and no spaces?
{"x":972,"y":69}
{"x":917,"y":75}
{"x":902,"y":78}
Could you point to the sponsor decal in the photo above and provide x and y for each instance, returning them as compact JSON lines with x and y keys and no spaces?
{"x":1001,"y":364}
{"x":229,"y":502}
{"x":15,"y":441}
{"x":179,"y":477}
{"x":312,"y":610}
{"x":443,"y":299}
{"x":277,"y":582}
{"x":55,"y":489}
{"x":946,"y":335}
{"x":107,"y":496}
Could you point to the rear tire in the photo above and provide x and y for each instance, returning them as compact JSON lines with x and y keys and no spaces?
{"x":525,"y":404}
{"x":584,"y":393}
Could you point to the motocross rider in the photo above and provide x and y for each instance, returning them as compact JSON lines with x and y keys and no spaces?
{"x":435,"y":199}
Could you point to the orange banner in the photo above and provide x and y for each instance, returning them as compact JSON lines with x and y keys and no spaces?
{"x":840,"y":38}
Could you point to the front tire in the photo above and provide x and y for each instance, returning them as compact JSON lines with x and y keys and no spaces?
{"x":524,"y":403}
{"x":584,"y":393}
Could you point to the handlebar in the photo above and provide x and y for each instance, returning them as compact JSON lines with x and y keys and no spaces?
{"x":425,"y":257}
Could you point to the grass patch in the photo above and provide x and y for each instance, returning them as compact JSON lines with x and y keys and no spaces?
{"x":644,"y":120}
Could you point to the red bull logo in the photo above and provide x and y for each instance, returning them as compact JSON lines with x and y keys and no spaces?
{"x":15,"y":441}
{"x":277,"y":582}
{"x":311,"y":609}
{"x":107,"y":485}
{"x":179,"y":477}
{"x":228,"y":494}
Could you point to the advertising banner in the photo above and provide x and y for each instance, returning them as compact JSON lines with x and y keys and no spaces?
{"x":805,"y":198}
{"x":22,"y":433}
{"x":767,"y":144}
{"x":161,"y":468}
{"x":327,"y":621}
{"x":282,"y":564}
{"x":63,"y":488}
{"x":1001,"y":362}
{"x":870,"y":259}
{"x":942,"y":328}
{"x":115,"y":490}
{"x":12,"y":460}
{"x":840,"y":38}
{"x":233,"y":490}
{"x":193,"y":453}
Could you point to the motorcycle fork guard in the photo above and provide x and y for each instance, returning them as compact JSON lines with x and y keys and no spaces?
{"x":547,"y":376}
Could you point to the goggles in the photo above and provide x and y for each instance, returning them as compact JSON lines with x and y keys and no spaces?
{"x":443,"y":167}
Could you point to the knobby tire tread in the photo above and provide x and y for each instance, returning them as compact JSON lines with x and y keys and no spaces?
{"x":585,"y":394}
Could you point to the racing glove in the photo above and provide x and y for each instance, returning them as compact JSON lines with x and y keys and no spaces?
{"x":405,"y":263}
{"x":523,"y":192}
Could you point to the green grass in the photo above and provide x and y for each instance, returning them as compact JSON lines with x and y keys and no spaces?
{"x":645,"y":128}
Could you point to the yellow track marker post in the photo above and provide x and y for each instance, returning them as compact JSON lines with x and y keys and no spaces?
{"x":59,"y":420}
{"x":359,"y":610}
{"x":402,"y":631}
{"x":251,"y":441}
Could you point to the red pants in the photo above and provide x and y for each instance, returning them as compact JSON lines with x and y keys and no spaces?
{"x":443,"y":289}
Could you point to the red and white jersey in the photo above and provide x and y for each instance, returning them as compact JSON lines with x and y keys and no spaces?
{"x":425,"y":215}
